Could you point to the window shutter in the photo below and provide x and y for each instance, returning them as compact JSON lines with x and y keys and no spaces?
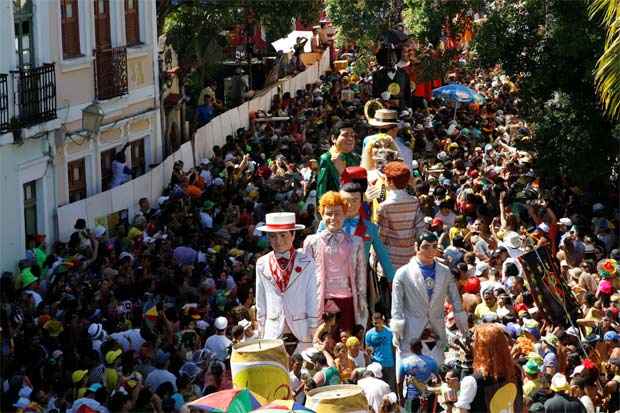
{"x":132,"y":22}
{"x":70,"y":28}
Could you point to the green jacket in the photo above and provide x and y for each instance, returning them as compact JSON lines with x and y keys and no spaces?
{"x":329,"y":178}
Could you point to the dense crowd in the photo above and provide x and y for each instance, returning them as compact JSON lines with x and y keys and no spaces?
{"x":141,"y":317}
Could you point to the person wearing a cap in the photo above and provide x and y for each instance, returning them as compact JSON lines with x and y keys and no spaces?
{"x":110,"y":374}
{"x":160,"y":374}
{"x":340,"y":264}
{"x":414,"y":373}
{"x":79,"y":379}
{"x":339,"y":156}
{"x":561,"y":401}
{"x":89,"y":401}
{"x":488,"y":304}
{"x":219,"y":344}
{"x":373,"y":387}
{"x":286,"y":286}
{"x":531,"y":382}
{"x":419,"y":291}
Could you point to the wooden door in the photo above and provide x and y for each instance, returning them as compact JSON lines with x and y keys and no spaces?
{"x":102,"y":24}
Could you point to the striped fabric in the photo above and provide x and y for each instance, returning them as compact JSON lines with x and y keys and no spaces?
{"x":400,"y":219}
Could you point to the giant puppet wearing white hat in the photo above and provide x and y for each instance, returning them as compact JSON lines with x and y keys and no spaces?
{"x":286,"y":286}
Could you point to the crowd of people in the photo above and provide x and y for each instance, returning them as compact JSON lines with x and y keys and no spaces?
{"x":409,"y":226}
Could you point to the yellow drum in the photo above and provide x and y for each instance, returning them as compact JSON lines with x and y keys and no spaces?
{"x":341,"y":398}
{"x":262,"y":367}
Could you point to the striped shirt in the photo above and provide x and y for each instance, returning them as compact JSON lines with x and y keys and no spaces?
{"x":400,"y":219}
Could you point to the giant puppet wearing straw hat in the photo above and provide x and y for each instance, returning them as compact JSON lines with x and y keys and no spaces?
{"x":286,"y":286}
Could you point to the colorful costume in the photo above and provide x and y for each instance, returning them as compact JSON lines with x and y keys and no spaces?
{"x":286,"y":304}
{"x":329,"y":177}
{"x":341,"y":274}
{"x":400,"y":220}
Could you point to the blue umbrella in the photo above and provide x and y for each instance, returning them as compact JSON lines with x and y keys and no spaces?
{"x":458,"y":93}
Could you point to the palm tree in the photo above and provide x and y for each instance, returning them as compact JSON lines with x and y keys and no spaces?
{"x":607,"y":73}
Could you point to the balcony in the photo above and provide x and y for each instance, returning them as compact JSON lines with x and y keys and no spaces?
{"x":4,"y":101}
{"x":110,"y":72}
{"x":34,"y":94}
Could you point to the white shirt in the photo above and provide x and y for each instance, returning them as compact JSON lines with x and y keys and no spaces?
{"x":587,"y":403}
{"x":129,"y":339}
{"x":219,"y":346}
{"x":119,"y":177}
{"x":448,"y":220}
{"x":375,"y":390}
{"x":467,"y":393}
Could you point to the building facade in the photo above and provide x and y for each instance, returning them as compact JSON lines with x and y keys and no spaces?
{"x":57,"y":57}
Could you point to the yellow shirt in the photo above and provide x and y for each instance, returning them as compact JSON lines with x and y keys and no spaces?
{"x":483,"y":309}
{"x":530,"y":387}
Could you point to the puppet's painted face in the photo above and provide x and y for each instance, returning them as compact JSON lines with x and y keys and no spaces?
{"x":333,"y":216}
{"x":345,"y":142}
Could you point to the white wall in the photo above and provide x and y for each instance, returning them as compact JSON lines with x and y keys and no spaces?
{"x":20,"y":165}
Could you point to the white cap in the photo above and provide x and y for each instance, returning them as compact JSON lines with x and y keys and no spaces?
{"x":244,"y":323}
{"x":598,"y":207}
{"x":428,"y":220}
{"x":543,"y":227}
{"x":125,"y":254}
{"x":566,"y":221}
{"x":414,"y":164}
{"x":218,"y":181}
{"x":578,"y":370}
{"x":94,"y":330}
{"x":205,"y":161}
{"x":512,"y":240}
{"x":481,"y":267}
{"x":202,"y":325}
{"x":221,"y":323}
{"x":99,"y":231}
{"x":375,"y":369}
{"x":488,"y":147}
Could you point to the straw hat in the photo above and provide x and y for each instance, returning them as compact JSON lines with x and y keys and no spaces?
{"x":280,"y":222}
{"x":384,"y":117}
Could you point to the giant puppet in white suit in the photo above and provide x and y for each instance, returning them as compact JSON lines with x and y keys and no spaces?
{"x":286,"y":286}
{"x":419,"y":291}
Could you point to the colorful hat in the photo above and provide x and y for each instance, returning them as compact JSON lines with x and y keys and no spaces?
{"x":352,"y":342}
{"x":352,"y":173}
{"x":28,"y":277}
{"x":552,"y":340}
{"x":531,"y":367}
{"x":559,"y":383}
{"x":535,"y":357}
{"x":607,"y":268}
{"x":53,"y":327}
{"x":280,"y":222}
{"x":78,"y":375}
{"x":112,"y":356}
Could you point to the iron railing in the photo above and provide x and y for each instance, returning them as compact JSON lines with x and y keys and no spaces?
{"x":4,"y":102}
{"x":34,"y":94}
{"x":110,"y":72}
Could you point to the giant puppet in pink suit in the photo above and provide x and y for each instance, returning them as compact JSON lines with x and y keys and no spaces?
{"x":340,"y":264}
{"x":286,"y":286}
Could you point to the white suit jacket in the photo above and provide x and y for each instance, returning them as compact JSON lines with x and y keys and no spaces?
{"x":298,"y":305}
{"x":412,"y":310}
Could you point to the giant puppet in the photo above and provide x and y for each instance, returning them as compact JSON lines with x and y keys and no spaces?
{"x":286,"y":286}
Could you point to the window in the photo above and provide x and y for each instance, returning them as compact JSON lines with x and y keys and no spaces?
{"x":132,"y":22}
{"x":77,"y":180}
{"x":138,"y":161}
{"x":70,"y":28}
{"x":30,"y":208}
{"x":102,"y":24}
{"x":24,"y":46}
{"x":106,"y":168}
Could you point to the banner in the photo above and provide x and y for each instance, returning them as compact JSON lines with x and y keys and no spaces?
{"x":551,"y":293}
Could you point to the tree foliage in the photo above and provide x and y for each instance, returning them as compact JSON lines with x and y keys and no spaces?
{"x":551,"y":47}
{"x":608,"y":65}
{"x":362,"y":21}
